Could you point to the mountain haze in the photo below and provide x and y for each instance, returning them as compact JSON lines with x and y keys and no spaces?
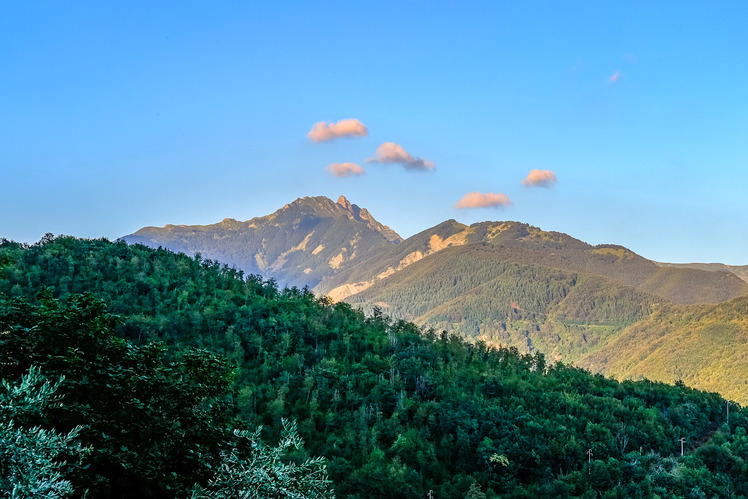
{"x":298,"y":245}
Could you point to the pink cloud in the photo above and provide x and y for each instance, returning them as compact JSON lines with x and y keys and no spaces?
{"x":345,"y":169}
{"x":615,"y":77}
{"x":389,"y":152}
{"x":540,"y":178}
{"x":478,"y":200}
{"x":322,"y":131}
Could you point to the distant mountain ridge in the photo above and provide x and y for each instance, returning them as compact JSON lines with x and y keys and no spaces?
{"x":739,"y":270}
{"x":341,"y":250}
{"x":511,"y":284}
{"x":298,"y":245}
{"x":522,"y":243}
{"x":506,"y":283}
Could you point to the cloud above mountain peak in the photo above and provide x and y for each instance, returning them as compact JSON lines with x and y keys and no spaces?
{"x":480,"y":200}
{"x":323,"y":131}
{"x":389,"y":152}
{"x":540,"y":178}
{"x":345,"y":169}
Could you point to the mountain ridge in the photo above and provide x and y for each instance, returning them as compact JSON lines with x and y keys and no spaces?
{"x":298,"y":245}
{"x":739,"y":270}
{"x":529,"y":244}
{"x":505,"y":283}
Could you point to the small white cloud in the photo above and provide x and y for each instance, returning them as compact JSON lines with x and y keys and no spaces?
{"x":345,"y":169}
{"x":540,"y":178}
{"x":389,"y":152}
{"x":479,"y":200}
{"x":322,"y":131}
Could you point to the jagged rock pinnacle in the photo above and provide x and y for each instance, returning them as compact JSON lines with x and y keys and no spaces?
{"x":342,"y":201}
{"x":363,"y":215}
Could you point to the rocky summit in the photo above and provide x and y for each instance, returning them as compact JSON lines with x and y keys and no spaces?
{"x":299,"y":245}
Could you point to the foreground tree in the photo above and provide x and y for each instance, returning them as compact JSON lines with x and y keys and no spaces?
{"x":34,"y":460}
{"x":266,"y":472}
{"x":156,"y":423}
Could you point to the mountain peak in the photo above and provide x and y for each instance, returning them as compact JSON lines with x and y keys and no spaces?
{"x":299,"y":244}
{"x":343,"y":207}
{"x":363,"y":215}
{"x":342,"y":201}
{"x":351,"y":208}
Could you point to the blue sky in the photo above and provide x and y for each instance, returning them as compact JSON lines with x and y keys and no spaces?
{"x":114,"y":117}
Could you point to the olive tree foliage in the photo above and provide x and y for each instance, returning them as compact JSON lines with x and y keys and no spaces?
{"x":34,"y":460}
{"x":264,"y":471}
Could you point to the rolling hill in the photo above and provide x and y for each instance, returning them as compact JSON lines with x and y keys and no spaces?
{"x":739,"y":270}
{"x":513,"y":284}
{"x":701,"y":345}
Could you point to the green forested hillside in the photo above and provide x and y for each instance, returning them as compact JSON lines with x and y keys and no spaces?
{"x":466,"y":290}
{"x":298,"y":245}
{"x":703,"y":345}
{"x":397,"y":411}
{"x":84,"y":413}
{"x":505,"y":283}
{"x":511,"y":284}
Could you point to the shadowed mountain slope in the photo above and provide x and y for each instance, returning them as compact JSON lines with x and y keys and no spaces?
{"x":298,"y":245}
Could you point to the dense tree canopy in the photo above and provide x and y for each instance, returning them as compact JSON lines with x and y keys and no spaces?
{"x":165,"y":355}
